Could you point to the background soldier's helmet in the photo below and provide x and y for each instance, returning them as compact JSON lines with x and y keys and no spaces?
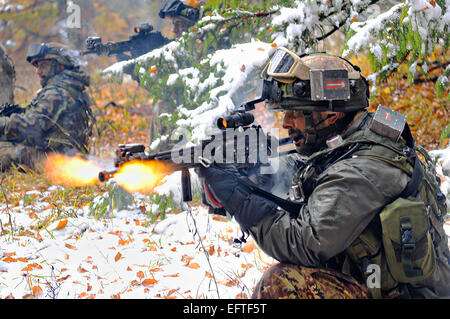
{"x":50,"y":51}
{"x":178,"y":10}
{"x":313,"y":82}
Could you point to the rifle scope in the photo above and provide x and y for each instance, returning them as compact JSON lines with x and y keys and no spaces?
{"x":235,"y":120}
{"x":143,"y":28}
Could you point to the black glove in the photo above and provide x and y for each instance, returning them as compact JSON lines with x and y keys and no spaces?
{"x":218,"y":183}
{"x":222,"y":190}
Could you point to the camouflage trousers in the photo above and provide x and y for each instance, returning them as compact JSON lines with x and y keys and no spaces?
{"x":285,"y":281}
{"x":19,"y":155}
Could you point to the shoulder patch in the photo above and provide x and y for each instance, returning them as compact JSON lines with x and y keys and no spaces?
{"x":388,"y":123}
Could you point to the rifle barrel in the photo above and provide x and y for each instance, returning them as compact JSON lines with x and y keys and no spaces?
{"x":104,"y":176}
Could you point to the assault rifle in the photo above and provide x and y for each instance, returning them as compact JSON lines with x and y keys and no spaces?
{"x":8,"y":109}
{"x":143,"y":41}
{"x":233,"y":144}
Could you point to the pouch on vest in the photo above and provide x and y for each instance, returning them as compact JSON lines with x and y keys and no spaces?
{"x":407,"y":242}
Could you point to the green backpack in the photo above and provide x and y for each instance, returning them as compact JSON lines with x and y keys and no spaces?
{"x":404,"y":240}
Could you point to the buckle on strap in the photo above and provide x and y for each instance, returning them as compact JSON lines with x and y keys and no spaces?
{"x":408,"y":246}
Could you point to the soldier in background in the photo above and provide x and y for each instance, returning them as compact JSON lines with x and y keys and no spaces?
{"x":58,"y":119}
{"x":183,"y":17}
{"x":7,"y":77}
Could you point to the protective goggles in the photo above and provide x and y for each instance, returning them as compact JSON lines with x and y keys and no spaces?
{"x":37,"y":51}
{"x":285,"y":66}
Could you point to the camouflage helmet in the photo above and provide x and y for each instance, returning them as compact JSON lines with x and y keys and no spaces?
{"x":178,"y":10}
{"x":313,"y":82}
{"x":50,"y":51}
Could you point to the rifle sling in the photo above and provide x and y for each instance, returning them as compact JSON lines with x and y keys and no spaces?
{"x":291,"y":207}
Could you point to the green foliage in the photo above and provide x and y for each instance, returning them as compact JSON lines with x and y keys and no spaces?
{"x":115,"y":197}
{"x":406,"y":36}
{"x":445,"y":135}
{"x":443,"y":83}
{"x":161,"y":205}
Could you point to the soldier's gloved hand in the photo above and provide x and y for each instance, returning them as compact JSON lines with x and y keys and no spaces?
{"x":222,"y":190}
{"x":218,"y":183}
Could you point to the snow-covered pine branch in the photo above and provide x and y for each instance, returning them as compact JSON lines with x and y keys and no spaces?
{"x":202,"y":74}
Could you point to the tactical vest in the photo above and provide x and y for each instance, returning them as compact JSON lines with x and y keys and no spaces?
{"x":401,"y":244}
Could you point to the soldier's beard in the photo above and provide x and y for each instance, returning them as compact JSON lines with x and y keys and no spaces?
{"x":44,"y":80}
{"x":51,"y":73}
{"x":313,"y":138}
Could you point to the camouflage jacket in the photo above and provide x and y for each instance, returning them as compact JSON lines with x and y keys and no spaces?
{"x":345,"y":198}
{"x":57,"y":119}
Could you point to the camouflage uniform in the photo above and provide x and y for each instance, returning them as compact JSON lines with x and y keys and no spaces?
{"x":287,"y":281}
{"x":58,"y":119}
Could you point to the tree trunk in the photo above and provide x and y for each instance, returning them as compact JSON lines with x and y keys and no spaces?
{"x":7,"y":77}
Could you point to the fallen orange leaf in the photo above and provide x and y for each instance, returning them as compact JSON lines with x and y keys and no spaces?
{"x":172,"y":291}
{"x":61,"y":224}
{"x":249,"y":246}
{"x":208,"y":274}
{"x":38,"y":236}
{"x":149,"y":282}
{"x":10,"y":260}
{"x":135,"y":283}
{"x":173,"y":275}
{"x":193,"y":265}
{"x":81,"y":269}
{"x":123,"y":242}
{"x":118,"y":256}
{"x":140,"y":274}
{"x":22,"y":259}
{"x":62,"y":278}
{"x":70,"y":246}
{"x":27,"y":268}
{"x":37,"y":291}
{"x":35,"y":265}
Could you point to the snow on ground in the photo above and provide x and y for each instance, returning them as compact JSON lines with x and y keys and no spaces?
{"x":187,"y":255}
{"x":123,"y":257}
